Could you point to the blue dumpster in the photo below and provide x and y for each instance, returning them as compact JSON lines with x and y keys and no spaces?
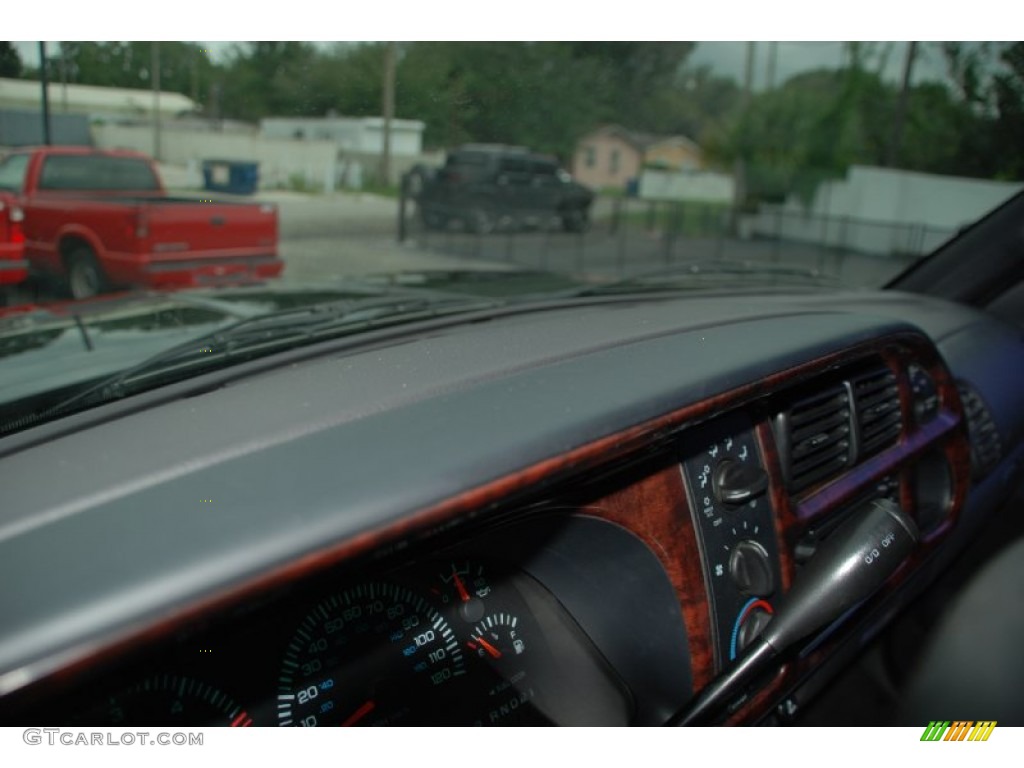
{"x":232,"y":176}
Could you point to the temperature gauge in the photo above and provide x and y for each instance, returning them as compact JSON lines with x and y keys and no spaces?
{"x":464,"y":585}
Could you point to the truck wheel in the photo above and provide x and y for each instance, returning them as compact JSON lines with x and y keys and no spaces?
{"x":85,"y":276}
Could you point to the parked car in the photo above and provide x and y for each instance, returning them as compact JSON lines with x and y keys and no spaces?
{"x":96,"y":220}
{"x":486,"y":186}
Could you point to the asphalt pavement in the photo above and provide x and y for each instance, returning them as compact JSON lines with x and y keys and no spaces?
{"x":348,"y":234}
{"x":322,"y":237}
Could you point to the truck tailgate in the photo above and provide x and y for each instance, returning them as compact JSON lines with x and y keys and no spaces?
{"x":174,"y":227}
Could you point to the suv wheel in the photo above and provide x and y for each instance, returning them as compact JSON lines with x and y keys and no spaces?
{"x":480,"y":222}
{"x":575,"y":220}
{"x":434,"y":220}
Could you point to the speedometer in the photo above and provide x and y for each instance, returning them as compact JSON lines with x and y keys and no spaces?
{"x":375,"y":654}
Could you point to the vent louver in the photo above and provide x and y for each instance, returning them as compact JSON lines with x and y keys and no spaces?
{"x":816,"y":437}
{"x":986,"y":448}
{"x":879,"y":418}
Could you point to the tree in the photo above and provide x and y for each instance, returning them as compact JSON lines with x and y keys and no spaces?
{"x":265,"y":79}
{"x":184,"y":67}
{"x":10,"y":61}
{"x":1008,"y":95}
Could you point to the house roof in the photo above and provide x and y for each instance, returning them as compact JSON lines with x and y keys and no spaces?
{"x":677,"y":139}
{"x":90,"y":99}
{"x":397,"y":124}
{"x":639,"y":140}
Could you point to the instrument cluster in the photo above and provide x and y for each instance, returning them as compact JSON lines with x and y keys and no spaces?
{"x":454,"y":641}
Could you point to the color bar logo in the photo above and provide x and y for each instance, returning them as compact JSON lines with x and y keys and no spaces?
{"x":958,"y":730}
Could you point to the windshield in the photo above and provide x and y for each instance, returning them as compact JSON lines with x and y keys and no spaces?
{"x":282,"y":175}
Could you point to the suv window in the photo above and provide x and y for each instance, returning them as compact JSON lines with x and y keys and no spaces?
{"x":542,"y":167}
{"x":512,"y":165}
{"x":470,"y":159}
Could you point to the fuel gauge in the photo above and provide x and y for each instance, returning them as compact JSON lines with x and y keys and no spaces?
{"x":497,"y":638}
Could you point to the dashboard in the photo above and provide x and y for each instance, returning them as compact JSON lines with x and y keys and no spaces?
{"x":573,"y":515}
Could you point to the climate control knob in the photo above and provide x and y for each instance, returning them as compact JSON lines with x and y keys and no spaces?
{"x":751,"y":570}
{"x":749,"y":625}
{"x":737,"y":482}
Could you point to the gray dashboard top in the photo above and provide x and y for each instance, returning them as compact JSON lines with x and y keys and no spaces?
{"x":109,"y":528}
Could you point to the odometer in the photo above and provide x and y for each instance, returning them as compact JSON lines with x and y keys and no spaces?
{"x":375,"y":654}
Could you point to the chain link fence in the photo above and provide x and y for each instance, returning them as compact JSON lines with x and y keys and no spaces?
{"x":629,"y":236}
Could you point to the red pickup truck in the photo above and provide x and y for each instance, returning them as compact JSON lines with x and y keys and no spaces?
{"x":98,"y":220}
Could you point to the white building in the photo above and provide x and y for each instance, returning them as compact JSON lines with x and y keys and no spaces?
{"x":353,"y":135}
{"x":883,"y":211}
{"x":97,"y":102}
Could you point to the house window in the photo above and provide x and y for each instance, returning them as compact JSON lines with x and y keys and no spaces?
{"x":589,"y":157}
{"x":614,"y":162}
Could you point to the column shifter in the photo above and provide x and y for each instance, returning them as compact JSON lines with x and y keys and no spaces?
{"x":848,"y":567}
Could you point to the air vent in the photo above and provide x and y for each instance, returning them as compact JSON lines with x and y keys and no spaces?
{"x":815,"y":437}
{"x":879,"y":419}
{"x":986,"y":448}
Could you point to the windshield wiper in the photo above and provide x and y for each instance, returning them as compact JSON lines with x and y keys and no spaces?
{"x":701,"y":274}
{"x":262,"y":335}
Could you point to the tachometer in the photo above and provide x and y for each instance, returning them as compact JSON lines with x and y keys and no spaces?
{"x":168,"y":699}
{"x":375,"y":654}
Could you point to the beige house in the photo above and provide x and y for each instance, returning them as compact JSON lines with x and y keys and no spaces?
{"x":674,"y":153}
{"x":610,"y":156}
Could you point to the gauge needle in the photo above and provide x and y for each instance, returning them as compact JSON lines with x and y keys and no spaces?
{"x":494,"y":652}
{"x":463,"y":593}
{"x":360,"y":713}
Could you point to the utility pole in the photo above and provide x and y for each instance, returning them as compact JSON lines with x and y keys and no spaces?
{"x":389,"y":111}
{"x":196,"y":53}
{"x":46,"y":93}
{"x":896,"y":141}
{"x":773,"y":56}
{"x":155,"y":79}
{"x":739,"y":171}
{"x":63,"y":78}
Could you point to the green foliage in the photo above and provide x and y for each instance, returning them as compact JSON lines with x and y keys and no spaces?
{"x":298,"y":182}
{"x":1008,"y":94}
{"x":184,"y":67}
{"x":265,"y":79}
{"x":818,"y":124}
{"x":543,"y":94}
{"x":10,"y":61}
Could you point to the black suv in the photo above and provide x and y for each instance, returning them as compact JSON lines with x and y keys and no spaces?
{"x":484,"y":187}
